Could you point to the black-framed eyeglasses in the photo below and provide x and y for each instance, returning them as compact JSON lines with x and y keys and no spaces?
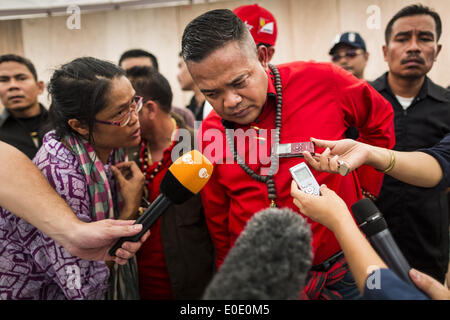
{"x":136,"y":105}
{"x":350,"y":54}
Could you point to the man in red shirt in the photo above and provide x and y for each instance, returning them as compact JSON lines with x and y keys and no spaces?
{"x":263,"y":27}
{"x":178,"y":261}
{"x":300,"y":100}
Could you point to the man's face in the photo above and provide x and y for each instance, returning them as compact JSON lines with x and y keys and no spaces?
{"x":19,"y":90}
{"x":184,"y":77}
{"x":351,"y":59}
{"x":233,"y":81}
{"x":136,"y":62}
{"x":412,"y":46}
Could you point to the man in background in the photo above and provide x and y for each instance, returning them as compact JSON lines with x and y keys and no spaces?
{"x":187,"y":84}
{"x":263,"y":27}
{"x":349,"y":52}
{"x":23,"y":116}
{"x":417,"y":217}
{"x":177,"y":262}
{"x":138,"y":57}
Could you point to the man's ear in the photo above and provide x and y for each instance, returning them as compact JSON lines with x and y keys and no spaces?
{"x":384,"y":51}
{"x":76,"y":125}
{"x":263,"y":56}
{"x":41,"y":86}
{"x":150,"y":109}
{"x":271,"y":52}
{"x":438,"y":49}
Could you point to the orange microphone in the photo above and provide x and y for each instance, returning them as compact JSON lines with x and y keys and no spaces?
{"x":184,"y":178}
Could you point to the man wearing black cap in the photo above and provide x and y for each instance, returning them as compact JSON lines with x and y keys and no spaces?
{"x":349,"y":52}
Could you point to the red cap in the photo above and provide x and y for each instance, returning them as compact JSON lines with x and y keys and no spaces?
{"x":260,"y":22}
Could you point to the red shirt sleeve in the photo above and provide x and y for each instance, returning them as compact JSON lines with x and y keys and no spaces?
{"x":365,"y":109}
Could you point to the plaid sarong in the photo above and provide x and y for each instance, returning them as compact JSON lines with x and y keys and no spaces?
{"x":318,"y":281}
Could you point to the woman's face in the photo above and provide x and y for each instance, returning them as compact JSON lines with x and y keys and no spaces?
{"x":119,"y":102}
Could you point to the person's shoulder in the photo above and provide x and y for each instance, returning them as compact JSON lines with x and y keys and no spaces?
{"x":437,"y":92}
{"x":305,"y":66}
{"x":307,"y":70}
{"x":54,"y":154}
{"x":212,"y":121}
{"x":4,"y":115}
{"x":383,"y":284}
{"x":185,"y":114}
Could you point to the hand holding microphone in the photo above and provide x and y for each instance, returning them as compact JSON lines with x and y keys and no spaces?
{"x":331,"y":211}
{"x":185,"y":178}
{"x":372,"y":223}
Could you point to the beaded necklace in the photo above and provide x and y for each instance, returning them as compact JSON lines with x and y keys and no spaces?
{"x":267,"y":179}
{"x":146,"y":161}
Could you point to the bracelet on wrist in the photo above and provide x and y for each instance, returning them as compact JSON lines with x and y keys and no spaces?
{"x":391,"y":163}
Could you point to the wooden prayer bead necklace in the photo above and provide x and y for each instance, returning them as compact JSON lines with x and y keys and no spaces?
{"x":267,"y":179}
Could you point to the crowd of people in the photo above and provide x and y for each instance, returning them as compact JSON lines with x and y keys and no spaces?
{"x":75,"y":177}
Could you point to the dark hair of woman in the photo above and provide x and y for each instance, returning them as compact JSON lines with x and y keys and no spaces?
{"x":79,"y":90}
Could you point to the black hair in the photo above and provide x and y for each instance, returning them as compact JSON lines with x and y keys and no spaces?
{"x":15,"y":58}
{"x":414,"y":10}
{"x":210,"y":31}
{"x":137,"y":53}
{"x":79,"y":90}
{"x":151,"y":85}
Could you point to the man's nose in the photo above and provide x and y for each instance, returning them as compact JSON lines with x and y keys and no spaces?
{"x":413,"y":45}
{"x":232,"y":99}
{"x":13,"y":84}
{"x":343,"y":61}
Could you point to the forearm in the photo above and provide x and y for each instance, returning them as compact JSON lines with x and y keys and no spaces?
{"x":360,"y":255}
{"x":416,"y":168}
{"x":25,"y":192}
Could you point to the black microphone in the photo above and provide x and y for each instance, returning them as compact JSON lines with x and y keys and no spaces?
{"x":372,"y":223}
{"x":184,"y":178}
{"x":269,"y":261}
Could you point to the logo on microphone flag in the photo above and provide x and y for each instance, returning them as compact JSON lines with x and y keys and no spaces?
{"x":203,"y":173}
{"x":193,"y":170}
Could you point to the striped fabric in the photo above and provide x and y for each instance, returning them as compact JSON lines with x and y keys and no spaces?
{"x":93,"y":170}
{"x":317,"y":282}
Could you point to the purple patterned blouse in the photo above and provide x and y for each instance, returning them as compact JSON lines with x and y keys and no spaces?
{"x":32,"y":265}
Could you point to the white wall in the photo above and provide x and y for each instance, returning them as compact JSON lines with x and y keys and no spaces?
{"x":306,"y":31}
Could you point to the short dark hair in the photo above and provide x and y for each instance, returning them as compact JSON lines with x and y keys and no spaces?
{"x":79,"y":90}
{"x":151,"y":85}
{"x":137,"y":53}
{"x":15,"y":58}
{"x":210,"y":31}
{"x":414,"y":10}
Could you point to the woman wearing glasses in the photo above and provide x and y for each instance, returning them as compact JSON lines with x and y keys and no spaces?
{"x":94,"y":115}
